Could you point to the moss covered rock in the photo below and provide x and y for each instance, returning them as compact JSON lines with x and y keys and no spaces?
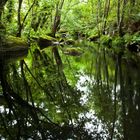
{"x":45,"y":41}
{"x":70,"y":42}
{"x":13,"y":48}
{"x":73,"y":51}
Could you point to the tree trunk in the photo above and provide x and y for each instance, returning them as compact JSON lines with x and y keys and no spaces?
{"x":57,"y":17}
{"x":55,"y":26}
{"x":120,"y":16}
{"x":123,"y":100}
{"x":115,"y":101}
{"x":19,"y":19}
{"x":106,"y":12}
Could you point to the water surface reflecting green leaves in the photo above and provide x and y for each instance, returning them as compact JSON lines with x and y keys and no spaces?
{"x":93,"y":95}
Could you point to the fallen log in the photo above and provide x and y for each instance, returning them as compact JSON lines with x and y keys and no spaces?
{"x":12,"y":48}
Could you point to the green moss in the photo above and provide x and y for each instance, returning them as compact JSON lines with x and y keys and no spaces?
{"x":12,"y":41}
{"x":13,"y":48}
{"x":48,"y":38}
{"x":70,"y":42}
{"x":73,"y":51}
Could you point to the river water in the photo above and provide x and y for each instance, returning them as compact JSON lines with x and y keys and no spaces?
{"x":102,"y":101}
{"x":110,"y":82}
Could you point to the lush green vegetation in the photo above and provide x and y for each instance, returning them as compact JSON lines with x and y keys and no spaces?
{"x":69,"y":69}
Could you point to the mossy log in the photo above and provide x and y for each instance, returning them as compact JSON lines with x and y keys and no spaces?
{"x":45,"y":41}
{"x":73,"y":51}
{"x":13,"y":48}
{"x":70,"y":42}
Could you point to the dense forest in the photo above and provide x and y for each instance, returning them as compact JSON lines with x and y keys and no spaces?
{"x":69,"y":69}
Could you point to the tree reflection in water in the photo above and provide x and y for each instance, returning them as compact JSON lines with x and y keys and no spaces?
{"x":93,"y":96}
{"x":115,"y":92}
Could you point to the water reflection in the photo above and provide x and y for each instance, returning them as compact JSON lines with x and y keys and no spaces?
{"x":105,"y":106}
{"x":114,"y":92}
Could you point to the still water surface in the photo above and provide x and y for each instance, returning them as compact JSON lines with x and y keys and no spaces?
{"x":109,"y":85}
{"x":110,"y":82}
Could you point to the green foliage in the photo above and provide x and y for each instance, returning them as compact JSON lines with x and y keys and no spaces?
{"x":106,"y":40}
{"x":44,"y":95}
{"x":135,"y":38}
{"x":10,"y":10}
{"x":118,"y":42}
